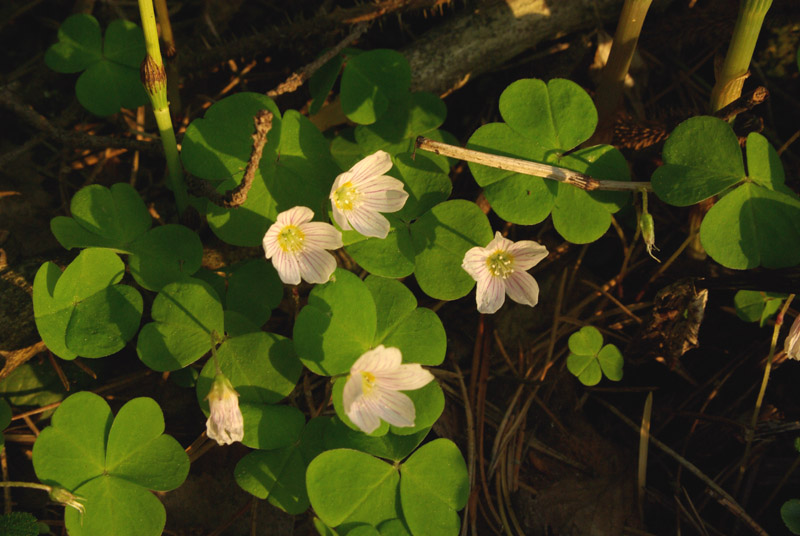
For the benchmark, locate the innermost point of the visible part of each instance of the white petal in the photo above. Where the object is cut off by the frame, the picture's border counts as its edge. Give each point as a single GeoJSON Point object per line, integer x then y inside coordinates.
{"type": "Point", "coordinates": [474, 262]}
{"type": "Point", "coordinates": [522, 288]}
{"type": "Point", "coordinates": [315, 265]}
{"type": "Point", "coordinates": [403, 378]}
{"type": "Point", "coordinates": [369, 223]}
{"type": "Point", "coordinates": [363, 415]}
{"type": "Point", "coordinates": [352, 391]}
{"type": "Point", "coordinates": [225, 424]}
{"type": "Point", "coordinates": [270, 240]}
{"type": "Point", "coordinates": [321, 235]}
{"type": "Point", "coordinates": [340, 217]}
{"type": "Point", "coordinates": [394, 407]}
{"type": "Point", "coordinates": [385, 199]}
{"type": "Point", "coordinates": [378, 360]}
{"type": "Point", "coordinates": [527, 254]}
{"type": "Point", "coordinates": [490, 295]}
{"type": "Point", "coordinates": [375, 164]}
{"type": "Point", "coordinates": [295, 216]}
{"type": "Point", "coordinates": [287, 267]}
{"type": "Point", "coordinates": [498, 242]}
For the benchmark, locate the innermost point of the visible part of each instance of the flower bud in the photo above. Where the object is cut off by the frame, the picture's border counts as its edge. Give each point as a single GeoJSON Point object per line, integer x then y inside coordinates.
{"type": "Point", "coordinates": [792, 343]}
{"type": "Point", "coordinates": [648, 234]}
{"type": "Point", "coordinates": [67, 498]}
{"type": "Point", "coordinates": [225, 424]}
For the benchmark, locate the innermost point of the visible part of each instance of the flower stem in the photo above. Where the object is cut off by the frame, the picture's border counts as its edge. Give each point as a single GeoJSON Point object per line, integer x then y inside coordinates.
{"type": "Point", "coordinates": [731, 76]}
{"type": "Point", "coordinates": [154, 79]}
{"type": "Point", "coordinates": [612, 81]}
{"type": "Point", "coordinates": [760, 399]}
{"type": "Point", "coordinates": [32, 485]}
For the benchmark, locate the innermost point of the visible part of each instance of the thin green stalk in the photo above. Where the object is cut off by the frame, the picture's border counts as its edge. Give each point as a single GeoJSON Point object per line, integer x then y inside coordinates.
{"type": "Point", "coordinates": [154, 78]}
{"type": "Point", "coordinates": [32, 485]}
{"type": "Point", "coordinates": [730, 77]}
{"type": "Point", "coordinates": [612, 81]}
{"type": "Point", "coordinates": [760, 399]}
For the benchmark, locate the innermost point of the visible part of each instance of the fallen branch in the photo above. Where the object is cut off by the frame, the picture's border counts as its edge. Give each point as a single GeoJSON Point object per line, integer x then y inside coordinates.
{"type": "Point", "coordinates": [526, 167]}
{"type": "Point", "coordinates": [11, 102]}
{"type": "Point", "coordinates": [237, 196]}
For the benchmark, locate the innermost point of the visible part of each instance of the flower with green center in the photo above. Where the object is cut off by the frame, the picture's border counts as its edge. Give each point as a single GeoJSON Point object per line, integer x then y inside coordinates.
{"type": "Point", "coordinates": [360, 194]}
{"type": "Point", "coordinates": [225, 424]}
{"type": "Point", "coordinates": [372, 391]}
{"type": "Point", "coordinates": [501, 268]}
{"type": "Point", "coordinates": [297, 247]}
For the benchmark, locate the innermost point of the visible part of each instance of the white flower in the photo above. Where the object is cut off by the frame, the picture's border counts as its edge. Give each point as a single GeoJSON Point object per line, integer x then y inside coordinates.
{"type": "Point", "coordinates": [792, 343]}
{"type": "Point", "coordinates": [360, 194]}
{"type": "Point", "coordinates": [372, 391]}
{"type": "Point", "coordinates": [297, 247]}
{"type": "Point", "coordinates": [500, 268]}
{"type": "Point", "coordinates": [225, 424]}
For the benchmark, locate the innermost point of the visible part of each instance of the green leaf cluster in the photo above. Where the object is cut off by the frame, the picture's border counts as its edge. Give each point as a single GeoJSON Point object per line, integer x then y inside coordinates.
{"type": "Point", "coordinates": [18, 524]}
{"type": "Point", "coordinates": [756, 306]}
{"type": "Point", "coordinates": [110, 463]}
{"type": "Point", "coordinates": [109, 65]}
{"type": "Point", "coordinates": [756, 221]}
{"type": "Point", "coordinates": [546, 122]}
{"type": "Point", "coordinates": [589, 360]}
{"type": "Point", "coordinates": [356, 493]}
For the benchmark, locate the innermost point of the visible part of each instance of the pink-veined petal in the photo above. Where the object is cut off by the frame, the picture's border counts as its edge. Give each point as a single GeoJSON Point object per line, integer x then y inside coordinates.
{"type": "Point", "coordinates": [369, 223]}
{"type": "Point", "coordinates": [490, 295]}
{"type": "Point", "coordinates": [321, 235]}
{"type": "Point", "coordinates": [406, 377]}
{"type": "Point", "coordinates": [474, 262]}
{"type": "Point", "coordinates": [499, 242]}
{"type": "Point", "coordinates": [340, 217]}
{"type": "Point", "coordinates": [394, 407]}
{"type": "Point", "coordinates": [527, 254]}
{"type": "Point", "coordinates": [384, 200]}
{"type": "Point", "coordinates": [270, 240]}
{"type": "Point", "coordinates": [363, 416]}
{"type": "Point", "coordinates": [522, 288]}
{"type": "Point", "coordinates": [287, 267]}
{"type": "Point", "coordinates": [316, 265]}
{"type": "Point", "coordinates": [378, 360]}
{"type": "Point", "coordinates": [352, 390]}
{"type": "Point", "coordinates": [295, 216]}
{"type": "Point", "coordinates": [375, 164]}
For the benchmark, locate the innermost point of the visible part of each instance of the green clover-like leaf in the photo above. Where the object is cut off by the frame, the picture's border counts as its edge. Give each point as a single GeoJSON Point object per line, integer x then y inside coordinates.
{"type": "Point", "coordinates": [389, 446]}
{"type": "Point", "coordinates": [370, 495]}
{"type": "Point", "coordinates": [83, 311]}
{"type": "Point", "coordinates": [18, 524]}
{"type": "Point", "coordinates": [790, 514]}
{"type": "Point", "coordinates": [757, 306]}
{"type": "Point", "coordinates": [111, 67]}
{"type": "Point", "coordinates": [434, 486]}
{"type": "Point", "coordinates": [370, 81]}
{"type": "Point", "coordinates": [185, 315]}
{"type": "Point", "coordinates": [543, 122]}
{"type": "Point", "coordinates": [589, 360]}
{"type": "Point", "coordinates": [276, 475]}
{"type": "Point", "coordinates": [110, 463]}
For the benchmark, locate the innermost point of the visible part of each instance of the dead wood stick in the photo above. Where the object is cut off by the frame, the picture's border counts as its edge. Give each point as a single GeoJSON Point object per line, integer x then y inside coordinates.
{"type": "Point", "coordinates": [743, 104]}
{"type": "Point", "coordinates": [526, 167]}
{"type": "Point", "coordinates": [298, 78]}
{"type": "Point", "coordinates": [237, 196]}
{"type": "Point", "coordinates": [11, 102]}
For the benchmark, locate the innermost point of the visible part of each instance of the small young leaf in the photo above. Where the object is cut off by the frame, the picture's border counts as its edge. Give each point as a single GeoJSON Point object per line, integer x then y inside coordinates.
{"type": "Point", "coordinates": [790, 513]}
{"type": "Point", "coordinates": [610, 359]}
{"type": "Point", "coordinates": [589, 360]}
{"type": "Point", "coordinates": [585, 367]}
{"type": "Point", "coordinates": [434, 486]}
{"type": "Point", "coordinates": [587, 341]}
{"type": "Point", "coordinates": [370, 495]}
{"type": "Point", "coordinates": [756, 306]}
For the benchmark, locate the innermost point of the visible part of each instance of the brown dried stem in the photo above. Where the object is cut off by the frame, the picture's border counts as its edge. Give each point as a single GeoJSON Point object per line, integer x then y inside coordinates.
{"type": "Point", "coordinates": [237, 196]}
{"type": "Point", "coordinates": [526, 167]}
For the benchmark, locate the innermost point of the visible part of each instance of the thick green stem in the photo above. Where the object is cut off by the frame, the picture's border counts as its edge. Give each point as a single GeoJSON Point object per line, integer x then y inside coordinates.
{"type": "Point", "coordinates": [612, 81]}
{"type": "Point", "coordinates": [154, 79]}
{"type": "Point", "coordinates": [730, 77]}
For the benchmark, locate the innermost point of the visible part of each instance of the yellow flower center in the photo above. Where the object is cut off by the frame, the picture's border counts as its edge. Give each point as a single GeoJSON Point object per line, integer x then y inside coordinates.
{"type": "Point", "coordinates": [291, 239]}
{"type": "Point", "coordinates": [367, 382]}
{"type": "Point", "coordinates": [500, 264]}
{"type": "Point", "coordinates": [346, 196]}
